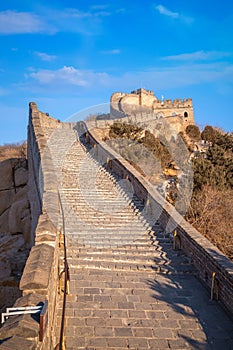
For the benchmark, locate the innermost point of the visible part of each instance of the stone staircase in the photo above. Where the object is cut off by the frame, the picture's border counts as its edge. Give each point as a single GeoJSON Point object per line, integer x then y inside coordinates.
{"type": "Point", "coordinates": [129, 288]}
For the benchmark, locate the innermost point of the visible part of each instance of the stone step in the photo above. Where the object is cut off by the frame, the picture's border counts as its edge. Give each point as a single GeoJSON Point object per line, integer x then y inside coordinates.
{"type": "Point", "coordinates": [129, 253]}
{"type": "Point", "coordinates": [137, 267]}
{"type": "Point", "coordinates": [106, 243]}
{"type": "Point", "coordinates": [134, 238]}
{"type": "Point", "coordinates": [126, 250]}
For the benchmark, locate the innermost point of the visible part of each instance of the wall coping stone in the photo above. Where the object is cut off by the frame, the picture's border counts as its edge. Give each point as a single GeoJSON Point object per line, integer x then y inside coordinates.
{"type": "Point", "coordinates": [16, 343]}
{"type": "Point", "coordinates": [23, 326]}
{"type": "Point", "coordinates": [37, 271]}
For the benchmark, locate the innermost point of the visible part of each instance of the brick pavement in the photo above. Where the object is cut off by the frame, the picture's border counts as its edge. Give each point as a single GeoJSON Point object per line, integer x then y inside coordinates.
{"type": "Point", "coordinates": [129, 288]}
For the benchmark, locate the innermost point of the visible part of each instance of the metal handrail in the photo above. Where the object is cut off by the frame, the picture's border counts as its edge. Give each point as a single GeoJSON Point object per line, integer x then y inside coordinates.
{"type": "Point", "coordinates": [66, 280]}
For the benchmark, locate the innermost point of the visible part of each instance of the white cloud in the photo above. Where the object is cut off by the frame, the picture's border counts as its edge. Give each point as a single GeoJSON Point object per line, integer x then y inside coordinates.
{"type": "Point", "coordinates": [44, 56]}
{"type": "Point", "coordinates": [51, 21]}
{"type": "Point", "coordinates": [180, 75]}
{"type": "Point", "coordinates": [69, 75]}
{"type": "Point", "coordinates": [175, 15]}
{"type": "Point", "coordinates": [75, 13]}
{"type": "Point", "coordinates": [111, 52]}
{"type": "Point", "coordinates": [198, 56]}
{"type": "Point", "coordinates": [12, 22]}
{"type": "Point", "coordinates": [164, 11]}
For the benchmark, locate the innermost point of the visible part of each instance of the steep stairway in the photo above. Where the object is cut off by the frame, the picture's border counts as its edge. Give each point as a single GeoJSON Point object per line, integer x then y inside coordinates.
{"type": "Point", "coordinates": [129, 288]}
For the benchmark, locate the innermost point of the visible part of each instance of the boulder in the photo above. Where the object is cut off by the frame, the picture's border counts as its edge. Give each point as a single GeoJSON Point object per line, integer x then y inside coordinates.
{"type": "Point", "coordinates": [21, 176]}
{"type": "Point", "coordinates": [5, 269]}
{"type": "Point", "coordinates": [6, 199]}
{"type": "Point", "coordinates": [6, 174]}
{"type": "Point", "coordinates": [21, 193]}
{"type": "Point", "coordinates": [4, 221]}
{"type": "Point", "coordinates": [18, 211]}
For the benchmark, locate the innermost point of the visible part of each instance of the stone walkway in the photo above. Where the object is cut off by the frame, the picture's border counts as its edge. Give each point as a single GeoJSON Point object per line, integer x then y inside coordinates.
{"type": "Point", "coordinates": [129, 288]}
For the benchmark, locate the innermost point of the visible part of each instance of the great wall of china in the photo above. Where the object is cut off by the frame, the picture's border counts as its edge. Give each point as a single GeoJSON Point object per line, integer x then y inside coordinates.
{"type": "Point", "coordinates": [141, 277]}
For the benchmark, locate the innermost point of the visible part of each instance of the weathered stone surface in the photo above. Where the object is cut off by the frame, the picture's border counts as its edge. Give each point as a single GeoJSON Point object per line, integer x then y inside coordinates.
{"type": "Point", "coordinates": [4, 268]}
{"type": "Point", "coordinates": [6, 199]}
{"type": "Point", "coordinates": [21, 176]}
{"type": "Point", "coordinates": [14, 206]}
{"type": "Point", "coordinates": [21, 193]}
{"type": "Point", "coordinates": [4, 221]}
{"type": "Point", "coordinates": [31, 299]}
{"type": "Point", "coordinates": [50, 180]}
{"type": "Point", "coordinates": [45, 225]}
{"type": "Point", "coordinates": [19, 212]}
{"type": "Point", "coordinates": [37, 271]}
{"type": "Point", "coordinates": [51, 203]}
{"type": "Point", "coordinates": [16, 343]}
{"type": "Point", "coordinates": [42, 238]}
{"type": "Point", "coordinates": [6, 174]}
{"type": "Point", "coordinates": [23, 326]}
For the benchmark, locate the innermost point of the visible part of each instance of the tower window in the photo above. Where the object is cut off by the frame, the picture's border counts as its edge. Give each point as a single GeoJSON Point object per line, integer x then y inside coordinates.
{"type": "Point", "coordinates": [186, 114]}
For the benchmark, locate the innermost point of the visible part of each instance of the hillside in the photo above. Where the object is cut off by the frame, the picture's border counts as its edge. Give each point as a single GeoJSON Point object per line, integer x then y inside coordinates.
{"type": "Point", "coordinates": [14, 150]}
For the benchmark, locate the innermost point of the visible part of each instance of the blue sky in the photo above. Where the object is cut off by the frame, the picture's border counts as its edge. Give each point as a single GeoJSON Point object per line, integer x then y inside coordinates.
{"type": "Point", "coordinates": [69, 55]}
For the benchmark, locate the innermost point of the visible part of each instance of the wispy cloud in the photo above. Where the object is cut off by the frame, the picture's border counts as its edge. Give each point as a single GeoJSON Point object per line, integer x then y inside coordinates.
{"type": "Point", "coordinates": [199, 56]}
{"type": "Point", "coordinates": [99, 7]}
{"type": "Point", "coordinates": [75, 13]}
{"type": "Point", "coordinates": [172, 14]}
{"type": "Point", "coordinates": [164, 11]}
{"type": "Point", "coordinates": [13, 22]}
{"type": "Point", "coordinates": [181, 75]}
{"type": "Point", "coordinates": [70, 76]}
{"type": "Point", "coordinates": [111, 52]}
{"type": "Point", "coordinates": [186, 74]}
{"type": "Point", "coordinates": [44, 56]}
{"type": "Point", "coordinates": [51, 21]}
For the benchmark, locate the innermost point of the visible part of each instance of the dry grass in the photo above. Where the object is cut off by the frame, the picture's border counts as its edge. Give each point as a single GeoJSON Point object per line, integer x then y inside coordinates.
{"type": "Point", "coordinates": [211, 213]}
{"type": "Point", "coordinates": [14, 150]}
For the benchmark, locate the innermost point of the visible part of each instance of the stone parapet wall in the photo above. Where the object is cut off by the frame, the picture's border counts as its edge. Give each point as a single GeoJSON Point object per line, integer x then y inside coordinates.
{"type": "Point", "coordinates": [39, 283]}
{"type": "Point", "coordinates": [207, 258]}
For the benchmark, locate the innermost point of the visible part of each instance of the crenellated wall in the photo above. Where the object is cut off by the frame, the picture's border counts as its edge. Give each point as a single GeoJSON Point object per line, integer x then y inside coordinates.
{"type": "Point", "coordinates": [144, 102]}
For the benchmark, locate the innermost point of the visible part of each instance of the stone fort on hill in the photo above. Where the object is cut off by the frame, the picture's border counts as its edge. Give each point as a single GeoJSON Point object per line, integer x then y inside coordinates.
{"type": "Point", "coordinates": [143, 104]}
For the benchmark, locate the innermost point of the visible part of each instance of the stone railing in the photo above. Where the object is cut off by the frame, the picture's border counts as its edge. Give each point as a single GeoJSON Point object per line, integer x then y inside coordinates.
{"type": "Point", "coordinates": [215, 270]}
{"type": "Point", "coordinates": [39, 283]}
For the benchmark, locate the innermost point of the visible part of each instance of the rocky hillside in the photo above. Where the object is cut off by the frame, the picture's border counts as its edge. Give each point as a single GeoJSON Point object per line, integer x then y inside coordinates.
{"type": "Point", "coordinates": [15, 221]}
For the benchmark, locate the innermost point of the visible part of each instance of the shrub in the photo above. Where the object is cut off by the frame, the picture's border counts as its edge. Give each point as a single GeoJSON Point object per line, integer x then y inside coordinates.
{"type": "Point", "coordinates": [193, 132]}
